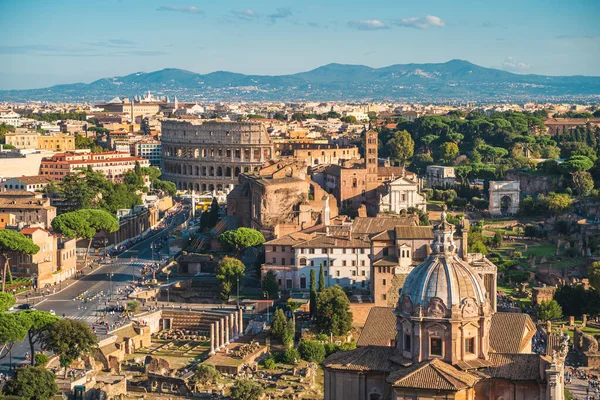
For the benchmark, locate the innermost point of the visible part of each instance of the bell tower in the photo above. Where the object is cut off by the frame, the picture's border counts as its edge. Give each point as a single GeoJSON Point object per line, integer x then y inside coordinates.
{"type": "Point", "coordinates": [371, 143]}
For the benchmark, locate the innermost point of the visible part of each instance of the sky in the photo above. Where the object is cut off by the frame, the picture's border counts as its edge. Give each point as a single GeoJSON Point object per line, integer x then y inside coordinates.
{"type": "Point", "coordinates": [48, 42]}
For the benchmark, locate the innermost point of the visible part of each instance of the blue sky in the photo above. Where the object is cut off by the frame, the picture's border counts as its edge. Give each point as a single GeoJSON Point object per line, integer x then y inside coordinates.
{"type": "Point", "coordinates": [47, 42]}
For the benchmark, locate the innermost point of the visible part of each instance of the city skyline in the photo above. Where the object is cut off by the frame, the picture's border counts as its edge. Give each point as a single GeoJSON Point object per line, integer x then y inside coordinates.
{"type": "Point", "coordinates": [120, 37]}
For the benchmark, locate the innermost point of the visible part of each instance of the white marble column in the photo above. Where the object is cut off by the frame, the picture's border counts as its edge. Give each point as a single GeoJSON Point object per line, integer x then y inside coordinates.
{"type": "Point", "coordinates": [227, 329]}
{"type": "Point", "coordinates": [234, 330]}
{"type": "Point", "coordinates": [217, 336]}
{"type": "Point", "coordinates": [212, 339]}
{"type": "Point", "coordinates": [241, 322]}
{"type": "Point", "coordinates": [222, 332]}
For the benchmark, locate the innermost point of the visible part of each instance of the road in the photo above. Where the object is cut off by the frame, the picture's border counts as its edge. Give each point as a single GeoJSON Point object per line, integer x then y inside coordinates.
{"type": "Point", "coordinates": [98, 283]}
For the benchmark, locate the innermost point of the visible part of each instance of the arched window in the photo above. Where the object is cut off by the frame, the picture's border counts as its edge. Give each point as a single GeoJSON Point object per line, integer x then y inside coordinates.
{"type": "Point", "coordinates": [203, 171]}
{"type": "Point", "coordinates": [212, 171]}
{"type": "Point", "coordinates": [228, 171]}
{"type": "Point", "coordinates": [211, 187]}
{"type": "Point", "coordinates": [197, 170]}
{"type": "Point", "coordinates": [219, 171]}
{"type": "Point", "coordinates": [354, 182]}
{"type": "Point", "coordinates": [237, 171]}
{"type": "Point", "coordinates": [302, 262]}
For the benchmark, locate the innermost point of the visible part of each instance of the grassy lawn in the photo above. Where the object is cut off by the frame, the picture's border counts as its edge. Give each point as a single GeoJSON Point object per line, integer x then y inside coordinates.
{"type": "Point", "coordinates": [543, 249]}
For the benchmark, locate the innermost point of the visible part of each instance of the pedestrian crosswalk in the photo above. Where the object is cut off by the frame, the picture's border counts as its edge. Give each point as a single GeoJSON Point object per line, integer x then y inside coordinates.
{"type": "Point", "coordinates": [86, 318]}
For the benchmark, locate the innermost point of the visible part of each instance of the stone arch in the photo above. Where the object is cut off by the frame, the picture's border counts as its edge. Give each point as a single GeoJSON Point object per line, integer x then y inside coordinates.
{"type": "Point", "coordinates": [204, 187]}
{"type": "Point", "coordinates": [219, 171]}
{"type": "Point", "coordinates": [228, 172]}
{"type": "Point", "coordinates": [153, 386]}
{"type": "Point", "coordinates": [164, 387]}
{"type": "Point", "coordinates": [219, 188]}
{"type": "Point", "coordinates": [189, 170]}
{"type": "Point", "coordinates": [174, 388]}
{"type": "Point", "coordinates": [211, 171]}
{"type": "Point", "coordinates": [504, 197]}
{"type": "Point", "coordinates": [197, 187]}
{"type": "Point", "coordinates": [197, 170]}
{"type": "Point", "coordinates": [246, 169]}
{"type": "Point", "coordinates": [203, 171]}
{"type": "Point", "coordinates": [237, 171]}
{"type": "Point", "coordinates": [211, 187]}
{"type": "Point", "coordinates": [196, 153]}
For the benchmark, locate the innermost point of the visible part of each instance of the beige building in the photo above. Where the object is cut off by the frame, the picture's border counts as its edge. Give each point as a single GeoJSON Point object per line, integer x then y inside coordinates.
{"type": "Point", "coordinates": [55, 262]}
{"type": "Point", "coordinates": [26, 208]}
{"type": "Point", "coordinates": [56, 142]}
{"type": "Point", "coordinates": [23, 139]}
{"type": "Point", "coordinates": [35, 183]}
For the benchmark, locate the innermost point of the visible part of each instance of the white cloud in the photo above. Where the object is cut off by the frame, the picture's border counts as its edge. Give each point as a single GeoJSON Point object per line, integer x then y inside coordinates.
{"type": "Point", "coordinates": [280, 13]}
{"type": "Point", "coordinates": [367, 25]}
{"type": "Point", "coordinates": [428, 21]}
{"type": "Point", "coordinates": [244, 14]}
{"type": "Point", "coordinates": [188, 10]}
{"type": "Point", "coordinates": [511, 63]}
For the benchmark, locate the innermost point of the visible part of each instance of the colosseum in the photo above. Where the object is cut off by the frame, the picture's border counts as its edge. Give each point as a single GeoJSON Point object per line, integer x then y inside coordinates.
{"type": "Point", "coordinates": [209, 155]}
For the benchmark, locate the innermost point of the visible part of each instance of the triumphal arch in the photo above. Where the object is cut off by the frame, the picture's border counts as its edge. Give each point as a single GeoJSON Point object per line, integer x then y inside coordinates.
{"type": "Point", "coordinates": [504, 198]}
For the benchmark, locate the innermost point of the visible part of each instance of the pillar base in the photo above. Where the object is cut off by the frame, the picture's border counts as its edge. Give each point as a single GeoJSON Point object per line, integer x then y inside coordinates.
{"type": "Point", "coordinates": [212, 353]}
{"type": "Point", "coordinates": [227, 343]}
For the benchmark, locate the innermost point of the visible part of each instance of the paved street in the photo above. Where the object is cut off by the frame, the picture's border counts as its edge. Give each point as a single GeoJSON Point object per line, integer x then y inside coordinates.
{"type": "Point", "coordinates": [97, 285]}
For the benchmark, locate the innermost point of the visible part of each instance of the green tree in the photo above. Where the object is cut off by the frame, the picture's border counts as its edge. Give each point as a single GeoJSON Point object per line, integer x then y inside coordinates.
{"type": "Point", "coordinates": [401, 146]}
{"type": "Point", "coordinates": [13, 244]}
{"type": "Point", "coordinates": [244, 389]}
{"type": "Point", "coordinates": [548, 310]}
{"type": "Point", "coordinates": [228, 271]}
{"type": "Point", "coordinates": [206, 374]}
{"type": "Point", "coordinates": [288, 337]}
{"type": "Point", "coordinates": [497, 239]}
{"type": "Point", "coordinates": [36, 322]}
{"type": "Point", "coordinates": [11, 332]}
{"type": "Point", "coordinates": [584, 183]}
{"type": "Point", "coordinates": [241, 238]}
{"type": "Point", "coordinates": [278, 325]}
{"type": "Point", "coordinates": [41, 359]}
{"type": "Point", "coordinates": [269, 284]}
{"type": "Point", "coordinates": [69, 339]}
{"type": "Point", "coordinates": [333, 311]}
{"type": "Point", "coordinates": [321, 279]}
{"type": "Point", "coordinates": [133, 305]}
{"type": "Point", "coordinates": [313, 293]}
{"type": "Point", "coordinates": [31, 383]}
{"type": "Point", "coordinates": [478, 247]}
{"type": "Point", "coordinates": [311, 351]}
{"type": "Point", "coordinates": [593, 271]}
{"type": "Point", "coordinates": [558, 203]}
{"type": "Point", "coordinates": [291, 356]}
{"type": "Point", "coordinates": [448, 151]}
{"type": "Point", "coordinates": [7, 300]}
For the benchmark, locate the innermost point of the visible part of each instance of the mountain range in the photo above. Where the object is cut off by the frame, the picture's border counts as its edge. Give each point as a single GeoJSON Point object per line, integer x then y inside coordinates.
{"type": "Point", "coordinates": [450, 82]}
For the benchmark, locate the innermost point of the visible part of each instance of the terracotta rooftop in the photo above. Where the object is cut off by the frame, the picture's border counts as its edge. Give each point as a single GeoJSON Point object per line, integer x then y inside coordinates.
{"type": "Point", "coordinates": [334, 242]}
{"type": "Point", "coordinates": [289, 240]}
{"type": "Point", "coordinates": [20, 202]}
{"type": "Point", "coordinates": [514, 367]}
{"type": "Point", "coordinates": [34, 180]}
{"type": "Point", "coordinates": [17, 193]}
{"type": "Point", "coordinates": [29, 231]}
{"type": "Point", "coordinates": [374, 332]}
{"type": "Point", "coordinates": [370, 225]}
{"type": "Point", "coordinates": [510, 332]}
{"type": "Point", "coordinates": [370, 358]}
{"type": "Point", "coordinates": [433, 375]}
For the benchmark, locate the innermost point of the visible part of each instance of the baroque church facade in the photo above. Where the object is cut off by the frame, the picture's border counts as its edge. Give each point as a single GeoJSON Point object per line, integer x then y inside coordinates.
{"type": "Point", "coordinates": [445, 340]}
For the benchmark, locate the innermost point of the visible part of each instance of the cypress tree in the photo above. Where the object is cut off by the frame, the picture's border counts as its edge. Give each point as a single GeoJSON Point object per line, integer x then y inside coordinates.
{"type": "Point", "coordinates": [313, 292]}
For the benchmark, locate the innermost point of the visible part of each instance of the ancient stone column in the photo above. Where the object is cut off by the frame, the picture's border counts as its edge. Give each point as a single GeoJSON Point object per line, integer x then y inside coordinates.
{"type": "Point", "coordinates": [584, 320]}
{"type": "Point", "coordinates": [548, 327]}
{"type": "Point", "coordinates": [217, 336]}
{"type": "Point", "coordinates": [241, 322]}
{"type": "Point", "coordinates": [222, 332]}
{"type": "Point", "coordinates": [227, 329]}
{"type": "Point", "coordinates": [212, 339]}
{"type": "Point", "coordinates": [571, 321]}
{"type": "Point", "coordinates": [233, 327]}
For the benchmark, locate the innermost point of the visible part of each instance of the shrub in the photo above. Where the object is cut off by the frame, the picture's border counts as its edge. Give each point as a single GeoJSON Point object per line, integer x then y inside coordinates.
{"type": "Point", "coordinates": [517, 254]}
{"type": "Point", "coordinates": [244, 389]}
{"type": "Point", "coordinates": [351, 345]}
{"type": "Point", "coordinates": [571, 252]}
{"type": "Point", "coordinates": [41, 359]}
{"type": "Point", "coordinates": [269, 363]}
{"type": "Point", "coordinates": [330, 348]}
{"type": "Point", "coordinates": [290, 356]}
{"type": "Point", "coordinates": [311, 351]}
{"type": "Point", "coordinates": [322, 337]}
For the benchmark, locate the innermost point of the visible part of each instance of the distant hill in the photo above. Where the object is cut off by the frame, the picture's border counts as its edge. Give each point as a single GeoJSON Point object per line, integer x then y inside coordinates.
{"type": "Point", "coordinates": [453, 81]}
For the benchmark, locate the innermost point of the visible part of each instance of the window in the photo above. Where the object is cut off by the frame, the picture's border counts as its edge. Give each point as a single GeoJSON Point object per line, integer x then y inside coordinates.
{"type": "Point", "coordinates": [384, 297]}
{"type": "Point", "coordinates": [470, 345]}
{"type": "Point", "coordinates": [344, 263]}
{"type": "Point", "coordinates": [283, 248]}
{"type": "Point", "coordinates": [312, 263]}
{"type": "Point", "coordinates": [407, 344]}
{"type": "Point", "coordinates": [323, 251]}
{"type": "Point", "coordinates": [353, 263]}
{"type": "Point", "coordinates": [337, 273]}
{"type": "Point", "coordinates": [353, 273]}
{"type": "Point", "coordinates": [311, 251]}
{"type": "Point", "coordinates": [435, 346]}
{"type": "Point", "coordinates": [362, 251]}
{"type": "Point", "coordinates": [343, 251]}
{"type": "Point", "coordinates": [283, 261]}
{"type": "Point", "coordinates": [362, 273]}
{"type": "Point", "coordinates": [383, 282]}
{"type": "Point", "coordinates": [386, 251]}
{"type": "Point", "coordinates": [274, 248]}
{"type": "Point", "coordinates": [303, 261]}
{"type": "Point", "coordinates": [274, 260]}
{"type": "Point", "coordinates": [362, 263]}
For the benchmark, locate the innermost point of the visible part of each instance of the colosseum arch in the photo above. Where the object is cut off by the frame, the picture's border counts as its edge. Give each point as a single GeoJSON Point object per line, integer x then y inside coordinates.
{"type": "Point", "coordinates": [219, 171]}
{"type": "Point", "coordinates": [196, 153]}
{"type": "Point", "coordinates": [228, 172]}
{"type": "Point", "coordinates": [203, 171]}
{"type": "Point", "coordinates": [211, 171]}
{"type": "Point", "coordinates": [237, 171]}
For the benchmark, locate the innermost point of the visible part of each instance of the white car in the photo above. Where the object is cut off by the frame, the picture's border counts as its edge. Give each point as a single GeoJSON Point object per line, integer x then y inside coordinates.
{"type": "Point", "coordinates": [52, 312]}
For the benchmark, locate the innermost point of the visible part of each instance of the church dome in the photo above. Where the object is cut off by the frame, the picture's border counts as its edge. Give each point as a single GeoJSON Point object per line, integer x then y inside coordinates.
{"type": "Point", "coordinates": [443, 277]}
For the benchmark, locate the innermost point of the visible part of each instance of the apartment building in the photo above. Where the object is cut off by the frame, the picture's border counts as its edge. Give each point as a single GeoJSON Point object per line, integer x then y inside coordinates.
{"type": "Point", "coordinates": [112, 164]}
{"type": "Point", "coordinates": [26, 208]}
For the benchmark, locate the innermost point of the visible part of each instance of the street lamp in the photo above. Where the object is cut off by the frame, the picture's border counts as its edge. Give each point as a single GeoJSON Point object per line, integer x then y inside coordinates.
{"type": "Point", "coordinates": [266, 294]}
{"type": "Point", "coordinates": [110, 275]}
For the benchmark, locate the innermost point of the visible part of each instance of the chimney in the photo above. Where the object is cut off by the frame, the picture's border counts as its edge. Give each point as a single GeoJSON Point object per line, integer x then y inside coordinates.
{"type": "Point", "coordinates": [326, 213]}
